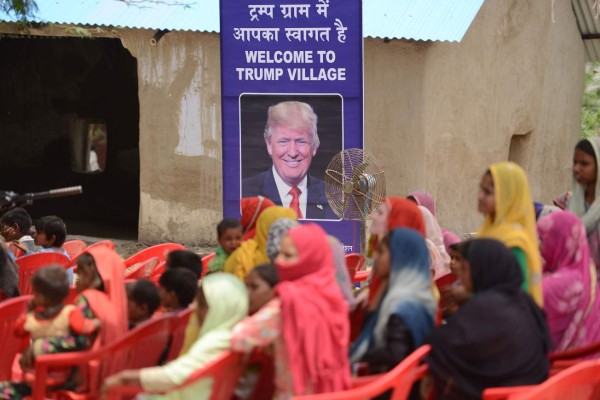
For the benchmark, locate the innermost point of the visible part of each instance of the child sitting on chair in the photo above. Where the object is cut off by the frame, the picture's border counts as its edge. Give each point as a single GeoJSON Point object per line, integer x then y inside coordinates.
{"type": "Point", "coordinates": [14, 227]}
{"type": "Point", "coordinates": [229, 233]}
{"type": "Point", "coordinates": [185, 259]}
{"type": "Point", "coordinates": [48, 317]}
{"type": "Point", "coordinates": [143, 299]}
{"type": "Point", "coordinates": [50, 235]}
{"type": "Point", "coordinates": [177, 288]}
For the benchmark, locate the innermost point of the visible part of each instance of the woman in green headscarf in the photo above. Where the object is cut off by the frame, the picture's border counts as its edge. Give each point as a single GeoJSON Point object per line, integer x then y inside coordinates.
{"type": "Point", "coordinates": [217, 315]}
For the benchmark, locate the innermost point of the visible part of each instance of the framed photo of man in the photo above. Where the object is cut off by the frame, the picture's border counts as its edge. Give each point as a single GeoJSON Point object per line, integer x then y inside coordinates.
{"type": "Point", "coordinates": [286, 142]}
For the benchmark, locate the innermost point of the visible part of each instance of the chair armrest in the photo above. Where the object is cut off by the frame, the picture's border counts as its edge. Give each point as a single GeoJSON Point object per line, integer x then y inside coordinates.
{"type": "Point", "coordinates": [364, 380]}
{"type": "Point", "coordinates": [502, 393]}
{"type": "Point", "coordinates": [127, 391]}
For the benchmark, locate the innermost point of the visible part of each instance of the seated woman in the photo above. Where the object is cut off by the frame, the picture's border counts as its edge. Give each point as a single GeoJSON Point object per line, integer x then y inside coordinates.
{"type": "Point", "coordinates": [439, 259]}
{"type": "Point", "coordinates": [405, 314]}
{"type": "Point", "coordinates": [498, 338]}
{"type": "Point", "coordinates": [217, 314]}
{"type": "Point", "coordinates": [570, 286]}
{"type": "Point", "coordinates": [252, 207]}
{"type": "Point", "coordinates": [505, 201]}
{"type": "Point", "coordinates": [394, 212]}
{"type": "Point", "coordinates": [307, 321]}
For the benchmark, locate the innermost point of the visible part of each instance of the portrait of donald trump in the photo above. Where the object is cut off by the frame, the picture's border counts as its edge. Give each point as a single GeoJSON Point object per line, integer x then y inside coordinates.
{"type": "Point", "coordinates": [291, 141]}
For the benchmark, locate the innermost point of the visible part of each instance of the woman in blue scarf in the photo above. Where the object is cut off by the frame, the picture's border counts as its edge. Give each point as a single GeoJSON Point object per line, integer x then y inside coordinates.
{"type": "Point", "coordinates": [405, 313]}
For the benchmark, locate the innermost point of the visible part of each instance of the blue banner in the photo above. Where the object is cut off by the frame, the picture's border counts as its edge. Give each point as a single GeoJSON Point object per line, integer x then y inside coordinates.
{"type": "Point", "coordinates": [292, 98]}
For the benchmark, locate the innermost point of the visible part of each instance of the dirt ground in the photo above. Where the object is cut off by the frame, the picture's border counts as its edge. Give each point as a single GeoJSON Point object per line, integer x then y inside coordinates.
{"type": "Point", "coordinates": [127, 248]}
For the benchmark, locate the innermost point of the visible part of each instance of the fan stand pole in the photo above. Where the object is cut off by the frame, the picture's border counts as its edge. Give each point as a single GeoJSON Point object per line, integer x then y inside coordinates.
{"type": "Point", "coordinates": [363, 238]}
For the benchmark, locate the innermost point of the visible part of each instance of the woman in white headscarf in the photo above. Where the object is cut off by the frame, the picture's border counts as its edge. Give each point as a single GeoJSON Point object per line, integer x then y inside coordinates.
{"type": "Point", "coordinates": [217, 315]}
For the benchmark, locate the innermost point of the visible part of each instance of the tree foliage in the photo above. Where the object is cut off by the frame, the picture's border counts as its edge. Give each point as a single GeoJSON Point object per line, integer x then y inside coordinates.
{"type": "Point", "coordinates": [590, 110]}
{"type": "Point", "coordinates": [21, 9]}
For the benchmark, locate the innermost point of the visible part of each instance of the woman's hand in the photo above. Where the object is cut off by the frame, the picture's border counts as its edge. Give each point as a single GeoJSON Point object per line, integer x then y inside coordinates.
{"type": "Point", "coordinates": [128, 377]}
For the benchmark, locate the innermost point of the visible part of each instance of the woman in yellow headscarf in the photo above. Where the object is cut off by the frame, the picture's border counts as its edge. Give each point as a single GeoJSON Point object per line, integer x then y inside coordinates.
{"type": "Point", "coordinates": [254, 251]}
{"type": "Point", "coordinates": [505, 200]}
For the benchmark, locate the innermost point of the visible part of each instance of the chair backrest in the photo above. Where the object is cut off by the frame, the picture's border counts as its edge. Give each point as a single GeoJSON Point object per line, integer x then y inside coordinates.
{"type": "Point", "coordinates": [158, 271]}
{"type": "Point", "coordinates": [17, 252]}
{"type": "Point", "coordinates": [361, 276]}
{"type": "Point", "coordinates": [265, 385]}
{"type": "Point", "coordinates": [581, 381]}
{"type": "Point", "coordinates": [575, 354]}
{"type": "Point", "coordinates": [74, 247]}
{"type": "Point", "coordinates": [400, 380]}
{"type": "Point", "coordinates": [102, 243]}
{"type": "Point", "coordinates": [10, 311]}
{"type": "Point", "coordinates": [179, 323]}
{"type": "Point", "coordinates": [225, 372]}
{"type": "Point", "coordinates": [354, 263]}
{"type": "Point", "coordinates": [160, 251]}
{"type": "Point", "coordinates": [142, 270]}
{"type": "Point", "coordinates": [140, 348]}
{"type": "Point", "coordinates": [205, 260]}
{"type": "Point", "coordinates": [31, 263]}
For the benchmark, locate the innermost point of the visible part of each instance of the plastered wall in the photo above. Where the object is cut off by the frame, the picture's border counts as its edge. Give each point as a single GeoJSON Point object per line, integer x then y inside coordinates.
{"type": "Point", "coordinates": [436, 114]}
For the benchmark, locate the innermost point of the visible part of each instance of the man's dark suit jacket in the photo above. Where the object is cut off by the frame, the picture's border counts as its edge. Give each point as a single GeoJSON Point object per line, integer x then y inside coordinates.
{"type": "Point", "coordinates": [264, 184]}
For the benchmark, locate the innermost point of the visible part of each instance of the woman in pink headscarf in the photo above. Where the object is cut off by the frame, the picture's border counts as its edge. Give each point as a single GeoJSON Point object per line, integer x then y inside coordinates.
{"type": "Point", "coordinates": [307, 322]}
{"type": "Point", "coordinates": [426, 200]}
{"type": "Point", "coordinates": [569, 284]}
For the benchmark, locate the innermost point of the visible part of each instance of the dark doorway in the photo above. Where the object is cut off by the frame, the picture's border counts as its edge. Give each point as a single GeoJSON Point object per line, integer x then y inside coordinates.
{"type": "Point", "coordinates": [62, 99]}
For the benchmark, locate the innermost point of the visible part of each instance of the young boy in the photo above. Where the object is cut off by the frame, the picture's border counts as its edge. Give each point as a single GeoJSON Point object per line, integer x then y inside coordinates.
{"type": "Point", "coordinates": [177, 288]}
{"type": "Point", "coordinates": [14, 227]}
{"type": "Point", "coordinates": [185, 259]}
{"type": "Point", "coordinates": [143, 299]}
{"type": "Point", "coordinates": [229, 233]}
{"type": "Point", "coordinates": [50, 234]}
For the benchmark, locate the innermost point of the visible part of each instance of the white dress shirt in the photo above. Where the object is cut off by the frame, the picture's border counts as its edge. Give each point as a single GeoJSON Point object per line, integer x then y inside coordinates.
{"type": "Point", "coordinates": [284, 191]}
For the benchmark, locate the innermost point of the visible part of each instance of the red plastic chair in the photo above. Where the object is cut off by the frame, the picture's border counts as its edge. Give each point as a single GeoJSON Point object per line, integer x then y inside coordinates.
{"type": "Point", "coordinates": [31, 263]}
{"type": "Point", "coordinates": [17, 252]}
{"type": "Point", "coordinates": [158, 271]}
{"type": "Point", "coordinates": [400, 380]}
{"type": "Point", "coordinates": [361, 276]}
{"type": "Point", "coordinates": [102, 243]}
{"type": "Point", "coordinates": [265, 385]}
{"type": "Point", "coordinates": [74, 247]}
{"type": "Point", "coordinates": [225, 372]}
{"type": "Point", "coordinates": [140, 348]}
{"type": "Point", "coordinates": [142, 270]}
{"type": "Point", "coordinates": [205, 260]}
{"type": "Point", "coordinates": [179, 323]}
{"type": "Point", "coordinates": [581, 382]}
{"type": "Point", "coordinates": [563, 360]}
{"type": "Point", "coordinates": [354, 263]}
{"type": "Point", "coordinates": [160, 251]}
{"type": "Point", "coordinates": [10, 311]}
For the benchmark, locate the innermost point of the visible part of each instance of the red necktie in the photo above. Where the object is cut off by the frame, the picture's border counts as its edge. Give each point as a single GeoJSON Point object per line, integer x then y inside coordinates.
{"type": "Point", "coordinates": [295, 203]}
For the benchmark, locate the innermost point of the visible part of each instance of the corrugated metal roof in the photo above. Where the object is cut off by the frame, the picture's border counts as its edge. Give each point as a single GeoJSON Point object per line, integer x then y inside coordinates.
{"type": "Point", "coordinates": [395, 19]}
{"type": "Point", "coordinates": [199, 15]}
{"type": "Point", "coordinates": [419, 19]}
{"type": "Point", "coordinates": [588, 26]}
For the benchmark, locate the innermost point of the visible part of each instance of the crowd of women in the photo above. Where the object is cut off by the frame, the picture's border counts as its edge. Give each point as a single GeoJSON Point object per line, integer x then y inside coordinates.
{"type": "Point", "coordinates": [521, 289]}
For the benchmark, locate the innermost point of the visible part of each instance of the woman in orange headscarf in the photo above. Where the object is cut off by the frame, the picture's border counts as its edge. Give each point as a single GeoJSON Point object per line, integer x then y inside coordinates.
{"type": "Point", "coordinates": [252, 207]}
{"type": "Point", "coordinates": [394, 212]}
